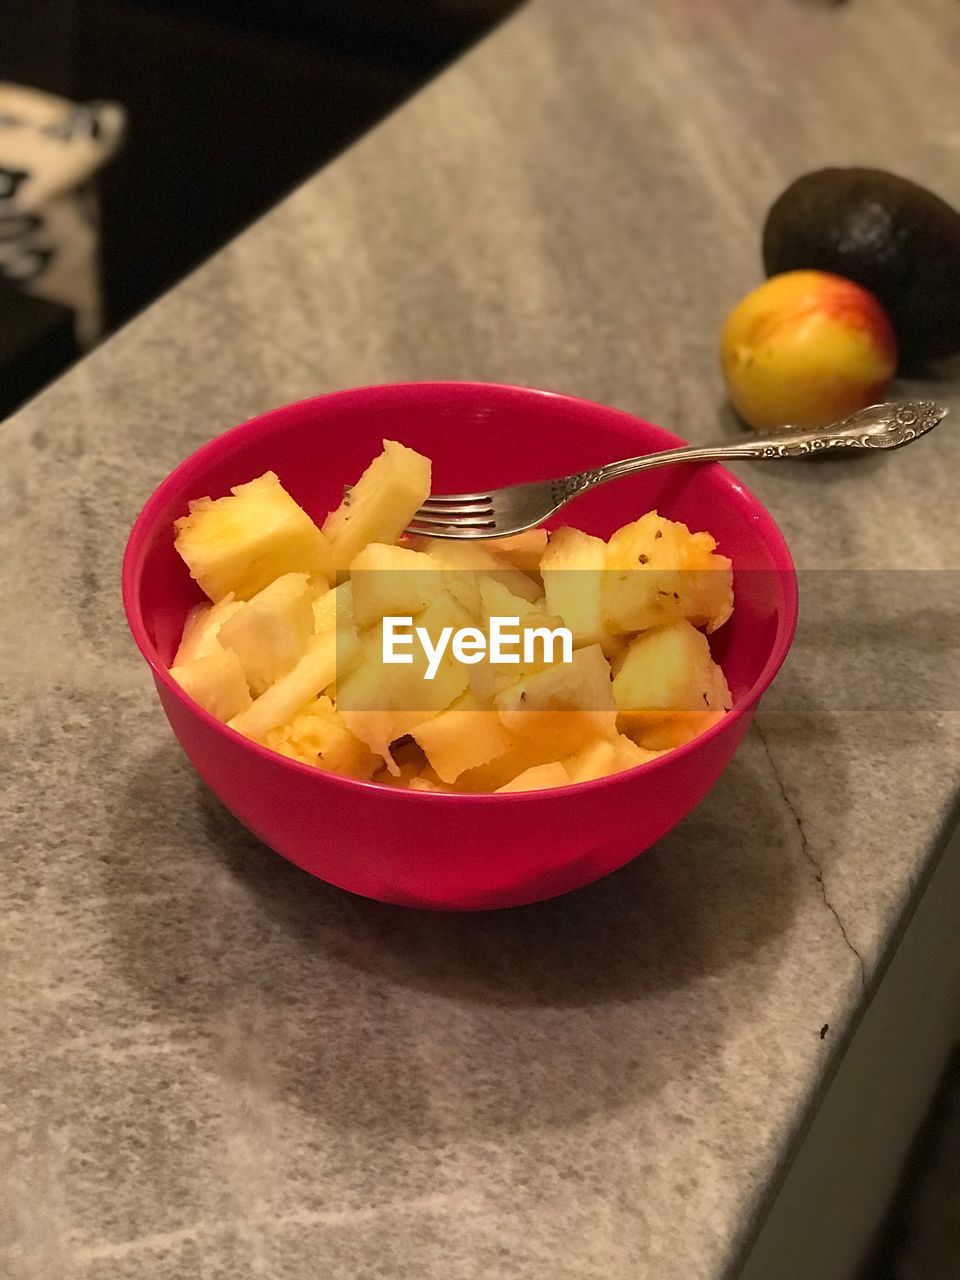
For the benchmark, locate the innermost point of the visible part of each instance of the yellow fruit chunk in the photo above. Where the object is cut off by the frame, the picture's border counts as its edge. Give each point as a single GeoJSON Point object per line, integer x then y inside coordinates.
{"type": "Point", "coordinates": [488, 677]}
{"type": "Point", "coordinates": [563, 705]}
{"type": "Point", "coordinates": [270, 632]}
{"type": "Point", "coordinates": [392, 581]}
{"type": "Point", "coordinates": [216, 682]}
{"type": "Point", "coordinates": [573, 571]}
{"type": "Point", "coordinates": [380, 505]}
{"type": "Point", "coordinates": [539, 778]}
{"type": "Point", "coordinates": [241, 543]}
{"type": "Point", "coordinates": [315, 671]}
{"type": "Point", "coordinates": [707, 584]}
{"type": "Point", "coordinates": [201, 629]}
{"type": "Point", "coordinates": [662, 733]}
{"type": "Point", "coordinates": [319, 736]}
{"type": "Point", "coordinates": [382, 702]}
{"type": "Point", "coordinates": [470, 557]}
{"type": "Point", "coordinates": [658, 571]}
{"type": "Point", "coordinates": [600, 758]}
{"type": "Point", "coordinates": [673, 731]}
{"type": "Point", "coordinates": [462, 738]}
{"type": "Point", "coordinates": [525, 754]}
{"type": "Point", "coordinates": [497, 600]}
{"type": "Point", "coordinates": [521, 550]}
{"type": "Point", "coordinates": [334, 608]}
{"type": "Point", "coordinates": [667, 671]}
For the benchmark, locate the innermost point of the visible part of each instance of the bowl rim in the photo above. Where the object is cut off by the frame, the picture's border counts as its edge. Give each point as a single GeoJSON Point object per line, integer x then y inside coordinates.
{"type": "Point", "coordinates": [772, 537]}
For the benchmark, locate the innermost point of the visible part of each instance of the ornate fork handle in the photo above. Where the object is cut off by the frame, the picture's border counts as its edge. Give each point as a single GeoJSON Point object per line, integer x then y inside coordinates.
{"type": "Point", "coordinates": [881, 426]}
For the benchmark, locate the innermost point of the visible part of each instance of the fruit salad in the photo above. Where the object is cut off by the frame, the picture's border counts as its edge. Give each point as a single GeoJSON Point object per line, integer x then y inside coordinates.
{"type": "Point", "coordinates": [358, 649]}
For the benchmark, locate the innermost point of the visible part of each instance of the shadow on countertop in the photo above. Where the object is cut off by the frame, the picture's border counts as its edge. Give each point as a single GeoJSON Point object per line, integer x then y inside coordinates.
{"type": "Point", "coordinates": [399, 1022]}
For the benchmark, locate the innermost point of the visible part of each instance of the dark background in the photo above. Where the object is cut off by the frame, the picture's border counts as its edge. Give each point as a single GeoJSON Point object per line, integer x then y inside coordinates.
{"type": "Point", "coordinates": [230, 103]}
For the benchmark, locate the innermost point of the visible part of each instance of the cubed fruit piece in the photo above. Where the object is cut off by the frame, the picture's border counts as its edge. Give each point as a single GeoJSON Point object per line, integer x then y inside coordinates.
{"type": "Point", "coordinates": [334, 608]}
{"type": "Point", "coordinates": [540, 778]}
{"type": "Point", "coordinates": [652, 542]}
{"type": "Point", "coordinates": [392, 582]}
{"type": "Point", "coordinates": [317, 735]}
{"type": "Point", "coordinates": [497, 600]}
{"type": "Point", "coordinates": [380, 505]}
{"type": "Point", "coordinates": [707, 584]}
{"type": "Point", "coordinates": [673, 731]}
{"type": "Point", "coordinates": [269, 633]}
{"type": "Point", "coordinates": [489, 677]}
{"type": "Point", "coordinates": [385, 701]}
{"type": "Point", "coordinates": [573, 569]}
{"type": "Point", "coordinates": [641, 588]}
{"type": "Point", "coordinates": [601, 758]}
{"type": "Point", "coordinates": [565, 704]}
{"type": "Point", "coordinates": [659, 571]}
{"type": "Point", "coordinates": [521, 550]}
{"type": "Point", "coordinates": [662, 733]}
{"type": "Point", "coordinates": [665, 671]}
{"type": "Point", "coordinates": [278, 705]}
{"type": "Point", "coordinates": [470, 557]}
{"type": "Point", "coordinates": [502, 769]}
{"type": "Point", "coordinates": [200, 630]}
{"type": "Point", "coordinates": [242, 542]}
{"type": "Point", "coordinates": [462, 737]}
{"type": "Point", "coordinates": [216, 682]}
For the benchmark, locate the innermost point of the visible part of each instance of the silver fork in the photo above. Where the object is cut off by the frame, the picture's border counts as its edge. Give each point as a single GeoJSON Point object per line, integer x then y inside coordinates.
{"type": "Point", "coordinates": [496, 513]}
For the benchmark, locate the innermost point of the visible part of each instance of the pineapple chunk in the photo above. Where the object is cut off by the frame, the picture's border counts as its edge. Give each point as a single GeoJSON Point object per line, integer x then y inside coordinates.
{"type": "Point", "coordinates": [319, 736]}
{"type": "Point", "coordinates": [540, 778]}
{"type": "Point", "coordinates": [380, 505]}
{"type": "Point", "coordinates": [334, 608]}
{"type": "Point", "coordinates": [241, 543]}
{"type": "Point", "coordinates": [662, 733]}
{"type": "Point", "coordinates": [382, 702]}
{"type": "Point", "coordinates": [658, 571]}
{"type": "Point", "coordinates": [564, 704]}
{"type": "Point", "coordinates": [216, 682]}
{"type": "Point", "coordinates": [315, 671]}
{"type": "Point", "coordinates": [573, 570]}
{"type": "Point", "coordinates": [666, 671]}
{"type": "Point", "coordinates": [470, 557]}
{"type": "Point", "coordinates": [488, 678]}
{"type": "Point", "coordinates": [200, 630]}
{"type": "Point", "coordinates": [270, 632]}
{"type": "Point", "coordinates": [707, 591]}
{"type": "Point", "coordinates": [601, 757]}
{"type": "Point", "coordinates": [673, 731]}
{"type": "Point", "coordinates": [522, 550]}
{"type": "Point", "coordinates": [392, 582]}
{"type": "Point", "coordinates": [463, 737]}
{"type": "Point", "coordinates": [498, 601]}
{"type": "Point", "coordinates": [497, 772]}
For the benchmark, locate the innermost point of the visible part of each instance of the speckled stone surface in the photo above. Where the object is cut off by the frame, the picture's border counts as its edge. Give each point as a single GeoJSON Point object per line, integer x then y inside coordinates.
{"type": "Point", "coordinates": [212, 1066]}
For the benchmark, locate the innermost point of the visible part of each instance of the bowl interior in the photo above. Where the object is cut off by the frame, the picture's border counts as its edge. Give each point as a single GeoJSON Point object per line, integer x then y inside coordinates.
{"type": "Point", "coordinates": [476, 435]}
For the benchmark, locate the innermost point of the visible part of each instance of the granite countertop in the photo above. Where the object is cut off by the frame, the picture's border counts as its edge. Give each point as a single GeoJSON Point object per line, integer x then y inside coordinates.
{"type": "Point", "coordinates": [214, 1066]}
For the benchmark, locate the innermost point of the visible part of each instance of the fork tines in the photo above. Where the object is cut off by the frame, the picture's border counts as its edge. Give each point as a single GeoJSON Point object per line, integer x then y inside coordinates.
{"type": "Point", "coordinates": [455, 510]}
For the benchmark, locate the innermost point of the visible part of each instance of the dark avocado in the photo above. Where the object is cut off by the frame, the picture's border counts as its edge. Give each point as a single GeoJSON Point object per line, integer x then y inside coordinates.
{"type": "Point", "coordinates": [889, 235]}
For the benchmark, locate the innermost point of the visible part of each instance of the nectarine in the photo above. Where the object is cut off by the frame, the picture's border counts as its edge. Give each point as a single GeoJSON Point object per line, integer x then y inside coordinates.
{"type": "Point", "coordinates": [806, 348]}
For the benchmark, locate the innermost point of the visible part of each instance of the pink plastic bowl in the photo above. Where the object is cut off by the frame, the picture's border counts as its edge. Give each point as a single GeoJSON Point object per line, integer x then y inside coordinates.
{"type": "Point", "coordinates": [461, 851]}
